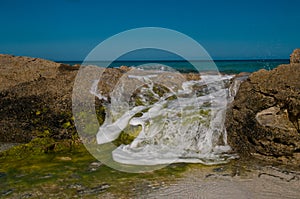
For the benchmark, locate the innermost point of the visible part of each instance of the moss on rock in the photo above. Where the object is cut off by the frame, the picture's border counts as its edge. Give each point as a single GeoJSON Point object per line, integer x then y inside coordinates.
{"type": "Point", "coordinates": [39, 146]}
{"type": "Point", "coordinates": [128, 135]}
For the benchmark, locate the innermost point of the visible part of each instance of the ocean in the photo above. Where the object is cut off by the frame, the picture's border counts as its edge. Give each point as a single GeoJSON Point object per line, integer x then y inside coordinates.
{"type": "Point", "coordinates": [224, 66]}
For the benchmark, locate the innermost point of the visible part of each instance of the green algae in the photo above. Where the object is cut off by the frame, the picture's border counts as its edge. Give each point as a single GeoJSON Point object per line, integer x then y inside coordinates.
{"type": "Point", "coordinates": [150, 96]}
{"type": "Point", "coordinates": [128, 135]}
{"type": "Point", "coordinates": [47, 167]}
{"type": "Point", "coordinates": [100, 113]}
{"type": "Point", "coordinates": [160, 90]}
{"type": "Point", "coordinates": [72, 173]}
{"type": "Point", "coordinates": [78, 174]}
{"type": "Point", "coordinates": [38, 146]}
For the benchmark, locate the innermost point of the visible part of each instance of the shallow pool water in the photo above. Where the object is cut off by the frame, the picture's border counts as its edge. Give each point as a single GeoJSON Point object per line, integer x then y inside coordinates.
{"type": "Point", "coordinates": [79, 175]}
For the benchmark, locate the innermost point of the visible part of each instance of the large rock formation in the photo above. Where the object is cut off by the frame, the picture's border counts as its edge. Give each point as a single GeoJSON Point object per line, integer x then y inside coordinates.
{"type": "Point", "coordinates": [264, 119]}
{"type": "Point", "coordinates": [36, 98]}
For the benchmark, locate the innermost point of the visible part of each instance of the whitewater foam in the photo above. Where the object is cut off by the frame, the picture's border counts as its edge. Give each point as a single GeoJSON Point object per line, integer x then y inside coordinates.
{"type": "Point", "coordinates": [185, 123]}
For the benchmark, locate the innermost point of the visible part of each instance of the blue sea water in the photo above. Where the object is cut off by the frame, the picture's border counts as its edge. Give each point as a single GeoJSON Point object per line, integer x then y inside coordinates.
{"type": "Point", "coordinates": [224, 66]}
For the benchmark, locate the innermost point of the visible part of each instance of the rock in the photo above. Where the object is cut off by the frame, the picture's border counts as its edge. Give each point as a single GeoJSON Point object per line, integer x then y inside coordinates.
{"type": "Point", "coordinates": [16, 70]}
{"type": "Point", "coordinates": [295, 56]}
{"type": "Point", "coordinates": [263, 120]}
{"type": "Point", "coordinates": [192, 76]}
{"type": "Point", "coordinates": [242, 74]}
{"type": "Point", "coordinates": [35, 99]}
{"type": "Point", "coordinates": [109, 79]}
{"type": "Point", "coordinates": [64, 158]}
{"type": "Point", "coordinates": [76, 65]}
{"type": "Point", "coordinates": [94, 166]}
{"type": "Point", "coordinates": [94, 190]}
{"type": "Point", "coordinates": [125, 68]}
{"type": "Point", "coordinates": [7, 192]}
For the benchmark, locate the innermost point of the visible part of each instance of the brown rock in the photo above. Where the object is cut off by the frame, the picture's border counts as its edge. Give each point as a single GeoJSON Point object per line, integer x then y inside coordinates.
{"type": "Point", "coordinates": [295, 56]}
{"type": "Point", "coordinates": [125, 68]}
{"type": "Point", "coordinates": [192, 76]}
{"type": "Point", "coordinates": [242, 74]}
{"type": "Point", "coordinates": [35, 98]}
{"type": "Point", "coordinates": [263, 121]}
{"type": "Point", "coordinates": [15, 70]}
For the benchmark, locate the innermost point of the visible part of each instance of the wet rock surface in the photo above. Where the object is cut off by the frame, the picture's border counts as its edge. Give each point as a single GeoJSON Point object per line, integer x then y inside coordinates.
{"type": "Point", "coordinates": [263, 121]}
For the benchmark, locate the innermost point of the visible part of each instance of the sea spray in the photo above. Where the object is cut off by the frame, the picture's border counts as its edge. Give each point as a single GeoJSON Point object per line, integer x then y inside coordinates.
{"type": "Point", "coordinates": [180, 120]}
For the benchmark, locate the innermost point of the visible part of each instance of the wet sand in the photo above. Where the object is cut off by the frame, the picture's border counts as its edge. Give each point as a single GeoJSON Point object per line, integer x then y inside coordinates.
{"type": "Point", "coordinates": [220, 182]}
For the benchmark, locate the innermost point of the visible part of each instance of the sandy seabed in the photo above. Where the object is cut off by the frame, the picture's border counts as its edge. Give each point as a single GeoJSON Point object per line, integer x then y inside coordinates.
{"type": "Point", "coordinates": [260, 182]}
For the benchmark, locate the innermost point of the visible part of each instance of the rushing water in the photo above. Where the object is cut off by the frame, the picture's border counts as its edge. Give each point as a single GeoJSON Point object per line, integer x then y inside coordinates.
{"type": "Point", "coordinates": [177, 120]}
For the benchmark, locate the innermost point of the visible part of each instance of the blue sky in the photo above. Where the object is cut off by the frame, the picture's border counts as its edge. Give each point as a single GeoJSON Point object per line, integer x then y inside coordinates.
{"type": "Point", "coordinates": [70, 29]}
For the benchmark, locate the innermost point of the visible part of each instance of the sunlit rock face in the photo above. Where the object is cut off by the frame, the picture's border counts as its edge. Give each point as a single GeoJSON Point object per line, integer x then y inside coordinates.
{"type": "Point", "coordinates": [264, 118]}
{"type": "Point", "coordinates": [35, 99]}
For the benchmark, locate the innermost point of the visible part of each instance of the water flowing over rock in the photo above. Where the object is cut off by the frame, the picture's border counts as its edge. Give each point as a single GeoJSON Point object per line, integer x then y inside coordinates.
{"type": "Point", "coordinates": [181, 117]}
{"type": "Point", "coordinates": [35, 101]}
{"type": "Point", "coordinates": [264, 118]}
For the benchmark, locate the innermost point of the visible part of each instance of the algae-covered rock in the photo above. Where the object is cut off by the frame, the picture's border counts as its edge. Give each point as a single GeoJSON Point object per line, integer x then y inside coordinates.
{"type": "Point", "coordinates": [40, 146]}
{"type": "Point", "coordinates": [35, 97]}
{"type": "Point", "coordinates": [128, 135]}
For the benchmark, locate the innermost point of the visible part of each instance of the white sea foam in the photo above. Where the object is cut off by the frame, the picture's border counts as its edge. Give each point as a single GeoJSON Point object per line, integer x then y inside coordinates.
{"type": "Point", "coordinates": [94, 89]}
{"type": "Point", "coordinates": [188, 128]}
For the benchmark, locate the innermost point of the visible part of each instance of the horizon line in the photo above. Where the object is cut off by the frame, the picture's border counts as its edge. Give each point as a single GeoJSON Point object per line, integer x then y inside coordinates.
{"type": "Point", "coordinates": [176, 60]}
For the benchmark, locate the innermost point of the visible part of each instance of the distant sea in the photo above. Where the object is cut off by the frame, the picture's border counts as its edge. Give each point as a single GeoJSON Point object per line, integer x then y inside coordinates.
{"type": "Point", "coordinates": [224, 66]}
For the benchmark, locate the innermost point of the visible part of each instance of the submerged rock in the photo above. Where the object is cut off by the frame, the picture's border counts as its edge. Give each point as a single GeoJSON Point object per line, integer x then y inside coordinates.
{"type": "Point", "coordinates": [263, 121]}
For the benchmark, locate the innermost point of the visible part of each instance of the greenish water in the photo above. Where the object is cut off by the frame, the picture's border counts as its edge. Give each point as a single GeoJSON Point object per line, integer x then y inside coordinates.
{"type": "Point", "coordinates": [76, 173]}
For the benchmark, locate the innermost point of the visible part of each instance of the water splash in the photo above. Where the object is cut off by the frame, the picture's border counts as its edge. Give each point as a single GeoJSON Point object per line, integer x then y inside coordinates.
{"type": "Point", "coordinates": [180, 120]}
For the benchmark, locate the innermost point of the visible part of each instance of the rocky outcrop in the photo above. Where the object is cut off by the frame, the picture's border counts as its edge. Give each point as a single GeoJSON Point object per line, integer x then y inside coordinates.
{"type": "Point", "coordinates": [263, 121]}
{"type": "Point", "coordinates": [36, 98]}
{"type": "Point", "coordinates": [295, 56]}
{"type": "Point", "coordinates": [16, 70]}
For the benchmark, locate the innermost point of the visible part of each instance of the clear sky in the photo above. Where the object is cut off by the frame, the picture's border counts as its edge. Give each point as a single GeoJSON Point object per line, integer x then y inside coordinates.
{"type": "Point", "coordinates": [227, 29]}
